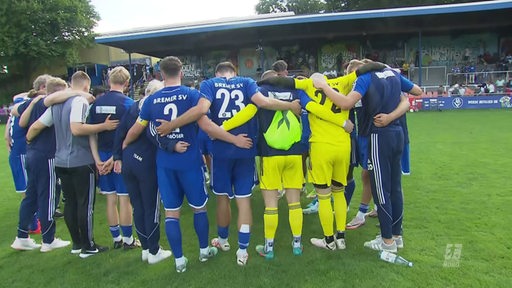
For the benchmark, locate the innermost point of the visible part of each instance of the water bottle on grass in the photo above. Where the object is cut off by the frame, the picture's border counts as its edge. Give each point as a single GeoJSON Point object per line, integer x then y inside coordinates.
{"type": "Point", "coordinates": [393, 258]}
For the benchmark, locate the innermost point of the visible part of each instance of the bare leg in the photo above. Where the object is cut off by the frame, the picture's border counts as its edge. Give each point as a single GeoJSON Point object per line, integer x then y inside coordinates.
{"type": "Point", "coordinates": [112, 213]}
{"type": "Point", "coordinates": [125, 211]}
{"type": "Point", "coordinates": [223, 211]}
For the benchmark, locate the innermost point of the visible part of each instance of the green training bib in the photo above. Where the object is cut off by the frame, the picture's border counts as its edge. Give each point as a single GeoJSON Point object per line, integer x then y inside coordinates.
{"type": "Point", "coordinates": [284, 131]}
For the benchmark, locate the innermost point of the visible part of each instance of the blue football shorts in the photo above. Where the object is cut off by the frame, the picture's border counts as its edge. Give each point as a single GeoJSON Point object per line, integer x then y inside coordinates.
{"type": "Point", "coordinates": [233, 177]}
{"type": "Point", "coordinates": [174, 185]}
{"type": "Point", "coordinates": [362, 151]}
{"type": "Point", "coordinates": [112, 182]}
{"type": "Point", "coordinates": [19, 172]}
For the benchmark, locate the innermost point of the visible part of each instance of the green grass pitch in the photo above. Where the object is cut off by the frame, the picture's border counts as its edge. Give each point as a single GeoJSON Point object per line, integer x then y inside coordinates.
{"type": "Point", "coordinates": [458, 193]}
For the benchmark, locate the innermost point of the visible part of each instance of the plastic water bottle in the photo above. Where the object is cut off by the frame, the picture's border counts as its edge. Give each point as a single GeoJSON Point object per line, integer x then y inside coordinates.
{"type": "Point", "coordinates": [393, 258]}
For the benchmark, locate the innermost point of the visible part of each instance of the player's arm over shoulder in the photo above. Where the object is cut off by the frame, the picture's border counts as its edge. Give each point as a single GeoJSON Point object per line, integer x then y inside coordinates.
{"type": "Point", "coordinates": [45, 120]}
{"type": "Point", "coordinates": [78, 118]}
{"type": "Point", "coordinates": [303, 84]}
{"type": "Point", "coordinates": [409, 87]}
{"type": "Point", "coordinates": [240, 118]}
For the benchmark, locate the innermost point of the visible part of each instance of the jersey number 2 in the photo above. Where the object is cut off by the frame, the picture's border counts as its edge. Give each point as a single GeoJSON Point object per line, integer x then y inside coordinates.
{"type": "Point", "coordinates": [172, 109]}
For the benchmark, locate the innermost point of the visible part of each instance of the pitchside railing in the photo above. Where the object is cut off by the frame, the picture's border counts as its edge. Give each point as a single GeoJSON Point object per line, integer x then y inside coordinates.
{"type": "Point", "coordinates": [476, 77]}
{"type": "Point", "coordinates": [430, 75]}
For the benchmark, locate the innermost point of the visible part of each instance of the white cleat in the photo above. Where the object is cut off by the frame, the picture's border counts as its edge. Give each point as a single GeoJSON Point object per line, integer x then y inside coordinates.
{"type": "Point", "coordinates": [144, 255]}
{"type": "Point", "coordinates": [159, 256]}
{"type": "Point", "coordinates": [57, 243]}
{"type": "Point", "coordinates": [212, 251]}
{"type": "Point", "coordinates": [356, 223]}
{"type": "Point", "coordinates": [182, 267]}
{"type": "Point", "coordinates": [25, 244]}
{"type": "Point", "coordinates": [378, 244]}
{"type": "Point", "coordinates": [320, 243]}
{"type": "Point", "coordinates": [340, 243]}
{"type": "Point", "coordinates": [242, 257]}
{"type": "Point", "coordinates": [398, 240]}
{"type": "Point", "coordinates": [223, 247]}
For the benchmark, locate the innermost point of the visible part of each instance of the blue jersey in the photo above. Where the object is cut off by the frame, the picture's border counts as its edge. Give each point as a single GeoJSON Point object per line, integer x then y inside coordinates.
{"type": "Point", "coordinates": [168, 104]}
{"type": "Point", "coordinates": [141, 147]}
{"type": "Point", "coordinates": [144, 147]}
{"type": "Point", "coordinates": [115, 104]}
{"type": "Point", "coordinates": [380, 94]}
{"type": "Point", "coordinates": [18, 134]}
{"type": "Point", "coordinates": [228, 97]}
{"type": "Point", "coordinates": [18, 142]}
{"type": "Point", "coordinates": [44, 143]}
{"type": "Point", "coordinates": [265, 118]}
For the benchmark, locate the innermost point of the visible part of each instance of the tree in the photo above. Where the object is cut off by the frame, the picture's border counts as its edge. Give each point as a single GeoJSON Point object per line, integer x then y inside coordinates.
{"type": "Point", "coordinates": [34, 33]}
{"type": "Point", "coordinates": [351, 5]}
{"type": "Point", "coordinates": [271, 6]}
{"type": "Point", "coordinates": [301, 7]}
{"type": "Point", "coordinates": [328, 6]}
{"type": "Point", "coordinates": [297, 6]}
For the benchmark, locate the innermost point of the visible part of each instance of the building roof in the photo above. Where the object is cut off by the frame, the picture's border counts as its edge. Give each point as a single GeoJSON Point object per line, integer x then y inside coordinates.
{"type": "Point", "coordinates": [277, 29]}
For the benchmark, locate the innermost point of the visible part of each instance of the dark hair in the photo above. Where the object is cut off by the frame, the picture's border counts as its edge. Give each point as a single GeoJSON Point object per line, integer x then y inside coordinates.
{"type": "Point", "coordinates": [171, 66]}
{"type": "Point", "coordinates": [33, 93]}
{"type": "Point", "coordinates": [279, 66]}
{"type": "Point", "coordinates": [225, 67]}
{"type": "Point", "coordinates": [98, 90]}
{"type": "Point", "coordinates": [268, 74]}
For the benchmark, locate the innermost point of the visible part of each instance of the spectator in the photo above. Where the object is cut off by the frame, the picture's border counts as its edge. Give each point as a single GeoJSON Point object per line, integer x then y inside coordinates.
{"type": "Point", "coordinates": [462, 90]}
{"type": "Point", "coordinates": [440, 91]}
{"type": "Point", "coordinates": [491, 87]}
{"type": "Point", "coordinates": [500, 85]}
{"type": "Point", "coordinates": [483, 88]}
{"type": "Point", "coordinates": [454, 90]}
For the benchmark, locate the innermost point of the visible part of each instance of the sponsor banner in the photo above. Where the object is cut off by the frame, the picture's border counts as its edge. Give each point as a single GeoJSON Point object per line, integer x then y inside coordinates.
{"type": "Point", "coordinates": [464, 102]}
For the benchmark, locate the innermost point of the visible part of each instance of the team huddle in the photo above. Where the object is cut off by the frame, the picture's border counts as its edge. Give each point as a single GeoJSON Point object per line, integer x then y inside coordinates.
{"type": "Point", "coordinates": [154, 151]}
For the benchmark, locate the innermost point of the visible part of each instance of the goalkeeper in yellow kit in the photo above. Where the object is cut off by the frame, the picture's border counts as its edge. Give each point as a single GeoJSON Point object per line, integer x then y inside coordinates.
{"type": "Point", "coordinates": [329, 152]}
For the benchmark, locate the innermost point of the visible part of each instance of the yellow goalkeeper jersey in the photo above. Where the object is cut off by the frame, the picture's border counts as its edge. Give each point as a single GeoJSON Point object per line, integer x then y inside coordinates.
{"type": "Point", "coordinates": [323, 131]}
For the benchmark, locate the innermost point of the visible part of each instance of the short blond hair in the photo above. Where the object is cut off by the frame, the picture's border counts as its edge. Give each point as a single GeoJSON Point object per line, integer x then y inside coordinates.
{"type": "Point", "coordinates": [80, 77]}
{"type": "Point", "coordinates": [54, 84]}
{"type": "Point", "coordinates": [153, 86]}
{"type": "Point", "coordinates": [40, 81]}
{"type": "Point", "coordinates": [119, 75]}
